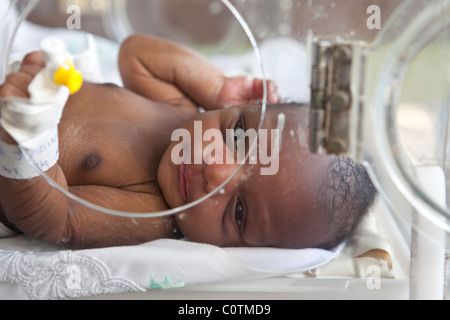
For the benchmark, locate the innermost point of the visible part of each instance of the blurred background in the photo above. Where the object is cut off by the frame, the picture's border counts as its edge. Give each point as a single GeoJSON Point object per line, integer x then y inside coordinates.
{"type": "Point", "coordinates": [205, 21]}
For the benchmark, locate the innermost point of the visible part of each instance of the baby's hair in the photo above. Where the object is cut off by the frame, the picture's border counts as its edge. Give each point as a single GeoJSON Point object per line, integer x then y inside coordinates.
{"type": "Point", "coordinates": [347, 194]}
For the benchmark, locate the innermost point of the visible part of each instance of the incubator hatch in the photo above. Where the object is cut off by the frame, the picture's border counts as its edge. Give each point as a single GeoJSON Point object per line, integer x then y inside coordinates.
{"type": "Point", "coordinates": [376, 78]}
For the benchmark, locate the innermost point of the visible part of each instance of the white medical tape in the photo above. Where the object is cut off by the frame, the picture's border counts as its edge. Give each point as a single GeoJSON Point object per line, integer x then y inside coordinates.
{"type": "Point", "coordinates": [30, 121]}
{"type": "Point", "coordinates": [15, 165]}
{"type": "Point", "coordinates": [33, 124]}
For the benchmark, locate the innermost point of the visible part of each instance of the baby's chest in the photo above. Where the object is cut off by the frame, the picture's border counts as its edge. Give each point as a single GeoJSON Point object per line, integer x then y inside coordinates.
{"type": "Point", "coordinates": [99, 153]}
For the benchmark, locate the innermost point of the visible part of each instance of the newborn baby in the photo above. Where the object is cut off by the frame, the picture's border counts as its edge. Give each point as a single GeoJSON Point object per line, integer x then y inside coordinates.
{"type": "Point", "coordinates": [116, 149]}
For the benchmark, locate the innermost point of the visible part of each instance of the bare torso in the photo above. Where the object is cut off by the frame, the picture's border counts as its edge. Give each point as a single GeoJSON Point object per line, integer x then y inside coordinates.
{"type": "Point", "coordinates": [112, 137]}
{"type": "Point", "coordinates": [116, 141]}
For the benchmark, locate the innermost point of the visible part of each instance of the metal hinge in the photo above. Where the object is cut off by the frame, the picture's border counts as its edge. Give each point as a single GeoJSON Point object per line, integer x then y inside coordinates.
{"type": "Point", "coordinates": [336, 103]}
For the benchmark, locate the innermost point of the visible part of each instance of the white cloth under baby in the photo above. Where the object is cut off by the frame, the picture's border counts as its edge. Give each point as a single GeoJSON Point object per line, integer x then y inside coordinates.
{"type": "Point", "coordinates": [29, 270]}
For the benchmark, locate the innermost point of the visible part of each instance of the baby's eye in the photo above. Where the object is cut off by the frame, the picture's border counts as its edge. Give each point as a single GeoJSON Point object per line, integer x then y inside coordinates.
{"type": "Point", "coordinates": [238, 135]}
{"type": "Point", "coordinates": [239, 212]}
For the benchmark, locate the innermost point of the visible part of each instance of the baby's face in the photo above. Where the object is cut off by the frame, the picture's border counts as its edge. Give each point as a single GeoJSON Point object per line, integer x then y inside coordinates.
{"type": "Point", "coordinates": [267, 203]}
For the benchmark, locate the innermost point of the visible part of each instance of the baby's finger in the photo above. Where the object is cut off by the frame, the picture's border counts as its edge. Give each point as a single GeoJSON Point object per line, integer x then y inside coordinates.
{"type": "Point", "coordinates": [30, 69]}
{"type": "Point", "coordinates": [20, 81]}
{"type": "Point", "coordinates": [8, 90]}
{"type": "Point", "coordinates": [274, 95]}
{"type": "Point", "coordinates": [34, 58]}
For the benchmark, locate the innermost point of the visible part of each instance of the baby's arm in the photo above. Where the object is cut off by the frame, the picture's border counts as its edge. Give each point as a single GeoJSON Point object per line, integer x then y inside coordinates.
{"type": "Point", "coordinates": [42, 212]}
{"type": "Point", "coordinates": [168, 72]}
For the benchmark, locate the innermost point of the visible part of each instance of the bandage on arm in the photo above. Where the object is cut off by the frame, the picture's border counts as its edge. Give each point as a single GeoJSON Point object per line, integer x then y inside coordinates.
{"type": "Point", "coordinates": [34, 126]}
{"type": "Point", "coordinates": [33, 122]}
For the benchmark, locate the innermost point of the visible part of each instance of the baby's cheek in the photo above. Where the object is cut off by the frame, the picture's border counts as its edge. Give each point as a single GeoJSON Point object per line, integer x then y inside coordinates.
{"type": "Point", "coordinates": [198, 226]}
{"type": "Point", "coordinates": [190, 221]}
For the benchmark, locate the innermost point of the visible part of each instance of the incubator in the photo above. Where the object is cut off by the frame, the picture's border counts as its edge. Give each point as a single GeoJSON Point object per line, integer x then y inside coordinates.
{"type": "Point", "coordinates": [375, 76]}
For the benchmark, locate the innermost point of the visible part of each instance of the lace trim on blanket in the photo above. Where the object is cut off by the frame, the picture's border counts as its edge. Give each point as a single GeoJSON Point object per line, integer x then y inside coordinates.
{"type": "Point", "coordinates": [67, 275]}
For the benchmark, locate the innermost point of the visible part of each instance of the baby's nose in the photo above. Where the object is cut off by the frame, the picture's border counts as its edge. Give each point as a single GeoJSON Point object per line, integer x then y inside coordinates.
{"type": "Point", "coordinates": [216, 174]}
{"type": "Point", "coordinates": [220, 163]}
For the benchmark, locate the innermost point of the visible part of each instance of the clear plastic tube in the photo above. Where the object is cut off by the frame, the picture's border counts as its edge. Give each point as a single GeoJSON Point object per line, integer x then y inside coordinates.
{"type": "Point", "coordinates": [9, 24]}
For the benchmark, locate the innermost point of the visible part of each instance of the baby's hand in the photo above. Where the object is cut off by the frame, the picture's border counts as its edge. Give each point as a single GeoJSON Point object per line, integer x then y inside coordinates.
{"type": "Point", "coordinates": [244, 90]}
{"type": "Point", "coordinates": [16, 84]}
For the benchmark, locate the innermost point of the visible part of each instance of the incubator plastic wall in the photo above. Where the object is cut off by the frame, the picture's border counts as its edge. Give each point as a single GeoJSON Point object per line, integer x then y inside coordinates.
{"type": "Point", "coordinates": [407, 76]}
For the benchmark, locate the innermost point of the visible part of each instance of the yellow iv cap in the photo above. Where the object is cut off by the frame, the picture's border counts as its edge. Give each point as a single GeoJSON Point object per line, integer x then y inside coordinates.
{"type": "Point", "coordinates": [69, 77]}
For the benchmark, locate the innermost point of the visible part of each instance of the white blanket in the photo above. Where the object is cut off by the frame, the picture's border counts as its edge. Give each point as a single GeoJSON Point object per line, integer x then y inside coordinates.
{"type": "Point", "coordinates": [29, 270]}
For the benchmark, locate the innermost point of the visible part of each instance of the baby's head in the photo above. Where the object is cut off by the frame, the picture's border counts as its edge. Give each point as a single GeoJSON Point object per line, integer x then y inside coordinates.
{"type": "Point", "coordinates": [346, 194]}
{"type": "Point", "coordinates": [289, 199]}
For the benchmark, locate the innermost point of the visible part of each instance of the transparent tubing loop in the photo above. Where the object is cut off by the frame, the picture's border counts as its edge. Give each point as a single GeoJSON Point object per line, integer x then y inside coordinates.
{"type": "Point", "coordinates": [118, 27]}
{"type": "Point", "coordinates": [13, 27]}
{"type": "Point", "coordinates": [115, 21]}
{"type": "Point", "coordinates": [90, 205]}
{"type": "Point", "coordinates": [433, 17]}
